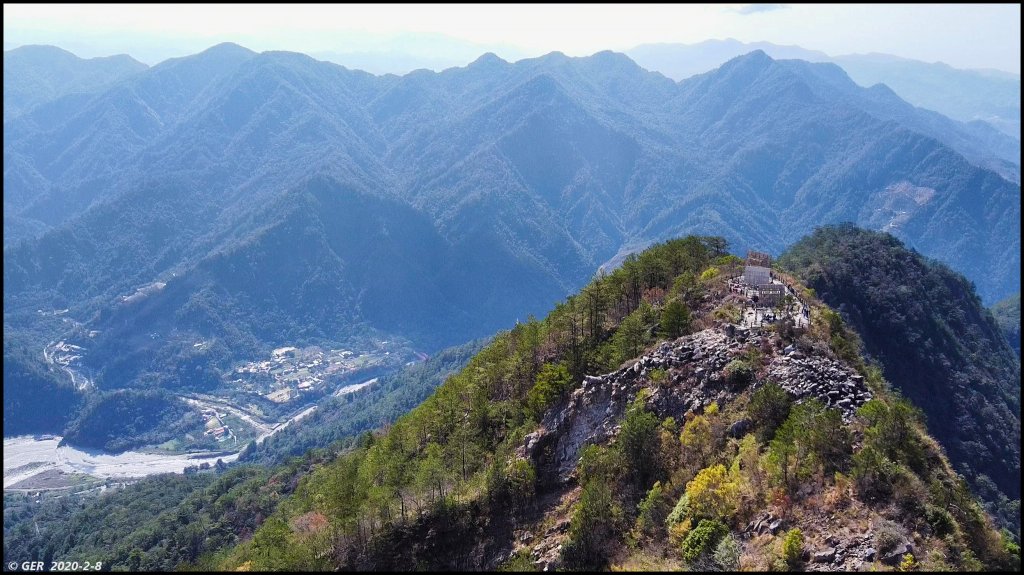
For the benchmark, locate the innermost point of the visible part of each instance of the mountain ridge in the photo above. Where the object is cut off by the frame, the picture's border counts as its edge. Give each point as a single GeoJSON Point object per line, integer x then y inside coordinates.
{"type": "Point", "coordinates": [965, 95]}
{"type": "Point", "coordinates": [529, 176]}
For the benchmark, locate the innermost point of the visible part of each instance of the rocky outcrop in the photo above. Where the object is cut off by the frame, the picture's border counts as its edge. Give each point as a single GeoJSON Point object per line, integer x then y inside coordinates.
{"type": "Point", "coordinates": [592, 412]}
{"type": "Point", "coordinates": [693, 365]}
{"type": "Point", "coordinates": [824, 378]}
{"type": "Point", "coordinates": [765, 524]}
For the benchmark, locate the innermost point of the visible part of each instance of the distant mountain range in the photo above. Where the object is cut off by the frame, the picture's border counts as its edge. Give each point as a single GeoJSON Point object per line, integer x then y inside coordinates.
{"type": "Point", "coordinates": [991, 96]}
{"type": "Point", "coordinates": [276, 198]}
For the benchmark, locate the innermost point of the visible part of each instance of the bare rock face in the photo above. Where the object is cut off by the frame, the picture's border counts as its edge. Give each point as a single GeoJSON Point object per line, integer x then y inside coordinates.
{"type": "Point", "coordinates": [694, 365]}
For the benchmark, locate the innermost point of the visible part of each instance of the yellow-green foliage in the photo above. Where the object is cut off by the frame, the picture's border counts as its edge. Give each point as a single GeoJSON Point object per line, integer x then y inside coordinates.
{"type": "Point", "coordinates": [729, 260]}
{"type": "Point", "coordinates": [729, 313]}
{"type": "Point", "coordinates": [748, 473]}
{"type": "Point", "coordinates": [659, 377]}
{"type": "Point", "coordinates": [677, 532]}
{"type": "Point", "coordinates": [713, 494]}
{"type": "Point", "coordinates": [908, 563]}
{"type": "Point", "coordinates": [709, 274]}
{"type": "Point", "coordinates": [696, 441]}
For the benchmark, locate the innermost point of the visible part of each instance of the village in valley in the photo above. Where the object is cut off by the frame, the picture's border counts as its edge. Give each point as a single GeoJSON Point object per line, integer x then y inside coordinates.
{"type": "Point", "coordinates": [292, 372]}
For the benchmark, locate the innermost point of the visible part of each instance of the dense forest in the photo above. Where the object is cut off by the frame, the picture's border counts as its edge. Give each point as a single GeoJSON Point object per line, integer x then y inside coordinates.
{"type": "Point", "coordinates": [937, 344]}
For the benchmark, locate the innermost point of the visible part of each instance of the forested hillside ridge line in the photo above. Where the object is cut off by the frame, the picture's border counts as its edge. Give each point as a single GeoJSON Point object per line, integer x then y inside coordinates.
{"type": "Point", "coordinates": [156, 523]}
{"type": "Point", "coordinates": [37, 74]}
{"type": "Point", "coordinates": [1007, 314]}
{"type": "Point", "coordinates": [936, 343]}
{"type": "Point", "coordinates": [704, 444]}
{"type": "Point", "coordinates": [129, 418]}
{"type": "Point", "coordinates": [250, 158]}
{"type": "Point", "coordinates": [37, 398]}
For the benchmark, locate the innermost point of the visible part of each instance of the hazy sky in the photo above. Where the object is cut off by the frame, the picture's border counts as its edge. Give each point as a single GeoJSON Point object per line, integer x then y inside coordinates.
{"type": "Point", "coordinates": [964, 36]}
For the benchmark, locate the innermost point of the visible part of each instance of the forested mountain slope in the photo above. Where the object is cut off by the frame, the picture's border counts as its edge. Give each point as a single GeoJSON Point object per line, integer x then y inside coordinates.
{"type": "Point", "coordinates": [1007, 314]}
{"type": "Point", "coordinates": [936, 342]}
{"type": "Point", "coordinates": [281, 200]}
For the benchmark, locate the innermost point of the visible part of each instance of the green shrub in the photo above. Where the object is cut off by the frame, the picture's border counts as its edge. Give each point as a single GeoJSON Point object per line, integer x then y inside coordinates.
{"type": "Point", "coordinates": [887, 536]}
{"type": "Point", "coordinates": [593, 524]}
{"type": "Point", "coordinates": [658, 376]}
{"type": "Point", "coordinates": [738, 373]}
{"type": "Point", "coordinates": [675, 319]}
{"type": "Point", "coordinates": [793, 547]}
{"type": "Point", "coordinates": [518, 563]}
{"type": "Point", "coordinates": [873, 474]}
{"type": "Point", "coordinates": [769, 407]}
{"type": "Point", "coordinates": [941, 522]}
{"type": "Point", "coordinates": [521, 480]}
{"type": "Point", "coordinates": [552, 381]}
{"type": "Point", "coordinates": [638, 443]}
{"type": "Point", "coordinates": [727, 553]}
{"type": "Point", "coordinates": [680, 512]}
{"type": "Point", "coordinates": [651, 512]}
{"type": "Point", "coordinates": [703, 539]}
{"type": "Point", "coordinates": [891, 430]}
{"type": "Point", "coordinates": [599, 462]}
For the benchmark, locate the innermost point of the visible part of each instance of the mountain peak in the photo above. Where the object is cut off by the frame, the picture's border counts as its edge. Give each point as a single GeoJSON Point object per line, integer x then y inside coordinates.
{"type": "Point", "coordinates": [611, 58]}
{"type": "Point", "coordinates": [552, 57]}
{"type": "Point", "coordinates": [488, 59]}
{"type": "Point", "coordinates": [41, 50]}
{"type": "Point", "coordinates": [227, 48]}
{"type": "Point", "coordinates": [750, 64]}
{"type": "Point", "coordinates": [759, 56]}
